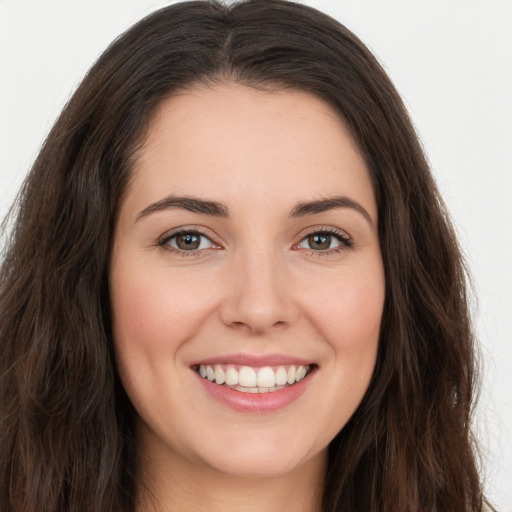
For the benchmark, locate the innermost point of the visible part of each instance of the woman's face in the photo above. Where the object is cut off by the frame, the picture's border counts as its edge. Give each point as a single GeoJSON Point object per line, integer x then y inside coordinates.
{"type": "Point", "coordinates": [246, 251]}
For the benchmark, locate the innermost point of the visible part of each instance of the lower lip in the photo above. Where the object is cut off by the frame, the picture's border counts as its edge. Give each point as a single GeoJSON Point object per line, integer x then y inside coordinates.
{"type": "Point", "coordinates": [256, 402]}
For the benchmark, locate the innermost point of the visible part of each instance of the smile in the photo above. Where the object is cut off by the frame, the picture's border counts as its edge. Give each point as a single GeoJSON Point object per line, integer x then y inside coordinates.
{"type": "Point", "coordinates": [249, 379]}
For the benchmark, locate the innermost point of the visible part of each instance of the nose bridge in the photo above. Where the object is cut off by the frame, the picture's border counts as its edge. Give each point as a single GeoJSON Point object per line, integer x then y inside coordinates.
{"type": "Point", "coordinates": [259, 295]}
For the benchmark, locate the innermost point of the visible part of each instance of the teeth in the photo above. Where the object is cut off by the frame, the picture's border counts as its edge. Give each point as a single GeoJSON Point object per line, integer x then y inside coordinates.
{"type": "Point", "coordinates": [257, 390]}
{"type": "Point", "coordinates": [266, 378]}
{"type": "Point", "coordinates": [247, 377]}
{"type": "Point", "coordinates": [231, 376]}
{"type": "Point", "coordinates": [220, 376]}
{"type": "Point", "coordinates": [254, 380]}
{"type": "Point", "coordinates": [301, 373]}
{"type": "Point", "coordinates": [210, 374]}
{"type": "Point", "coordinates": [281, 376]}
{"type": "Point", "coordinates": [291, 375]}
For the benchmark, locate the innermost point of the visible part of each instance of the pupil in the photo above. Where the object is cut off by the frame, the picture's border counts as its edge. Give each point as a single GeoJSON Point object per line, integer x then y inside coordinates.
{"type": "Point", "coordinates": [188, 241]}
{"type": "Point", "coordinates": [319, 241]}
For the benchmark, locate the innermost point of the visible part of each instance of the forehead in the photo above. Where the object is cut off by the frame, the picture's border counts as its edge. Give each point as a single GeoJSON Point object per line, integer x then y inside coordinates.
{"type": "Point", "coordinates": [230, 141]}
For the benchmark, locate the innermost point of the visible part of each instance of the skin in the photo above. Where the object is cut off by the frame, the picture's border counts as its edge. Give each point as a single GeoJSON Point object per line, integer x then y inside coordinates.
{"type": "Point", "coordinates": [255, 286]}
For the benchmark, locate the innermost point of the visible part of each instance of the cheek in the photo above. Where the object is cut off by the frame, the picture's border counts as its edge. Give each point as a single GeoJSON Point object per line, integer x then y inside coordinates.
{"type": "Point", "coordinates": [348, 310]}
{"type": "Point", "coordinates": [154, 311]}
{"type": "Point", "coordinates": [348, 320]}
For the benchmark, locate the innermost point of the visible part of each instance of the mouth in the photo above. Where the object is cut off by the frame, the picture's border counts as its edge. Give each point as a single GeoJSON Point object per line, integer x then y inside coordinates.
{"type": "Point", "coordinates": [248, 379]}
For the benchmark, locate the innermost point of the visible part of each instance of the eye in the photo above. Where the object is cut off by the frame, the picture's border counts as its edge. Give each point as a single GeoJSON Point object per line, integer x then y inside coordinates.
{"type": "Point", "coordinates": [188, 241]}
{"type": "Point", "coordinates": [325, 241]}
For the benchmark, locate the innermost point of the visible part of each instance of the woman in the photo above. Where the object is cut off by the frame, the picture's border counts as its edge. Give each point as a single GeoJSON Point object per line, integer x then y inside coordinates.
{"type": "Point", "coordinates": [240, 289]}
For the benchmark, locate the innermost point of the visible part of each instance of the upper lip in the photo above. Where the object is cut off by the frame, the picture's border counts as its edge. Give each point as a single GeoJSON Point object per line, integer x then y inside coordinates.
{"type": "Point", "coordinates": [255, 361]}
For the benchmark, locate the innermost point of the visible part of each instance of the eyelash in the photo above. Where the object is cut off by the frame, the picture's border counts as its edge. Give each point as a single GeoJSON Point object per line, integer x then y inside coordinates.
{"type": "Point", "coordinates": [344, 240]}
{"type": "Point", "coordinates": [164, 243]}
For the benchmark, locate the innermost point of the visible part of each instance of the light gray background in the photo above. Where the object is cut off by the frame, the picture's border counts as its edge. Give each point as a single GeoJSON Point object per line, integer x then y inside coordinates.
{"type": "Point", "coordinates": [450, 59]}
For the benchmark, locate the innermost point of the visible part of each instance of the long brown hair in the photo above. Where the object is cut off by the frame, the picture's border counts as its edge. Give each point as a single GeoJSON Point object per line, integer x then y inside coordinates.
{"type": "Point", "coordinates": [66, 425]}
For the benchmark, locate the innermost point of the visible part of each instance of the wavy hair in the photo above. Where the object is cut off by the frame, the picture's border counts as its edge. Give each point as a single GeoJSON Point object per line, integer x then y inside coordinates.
{"type": "Point", "coordinates": [67, 439]}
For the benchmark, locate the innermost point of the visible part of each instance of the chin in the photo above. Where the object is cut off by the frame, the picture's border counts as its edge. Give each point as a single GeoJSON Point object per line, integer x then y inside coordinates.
{"type": "Point", "coordinates": [263, 458]}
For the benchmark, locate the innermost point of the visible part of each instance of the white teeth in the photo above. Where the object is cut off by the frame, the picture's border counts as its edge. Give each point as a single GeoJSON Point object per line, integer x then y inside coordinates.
{"type": "Point", "coordinates": [231, 376]}
{"type": "Point", "coordinates": [253, 380]}
{"type": "Point", "coordinates": [281, 376]}
{"type": "Point", "coordinates": [257, 390]}
{"type": "Point", "coordinates": [247, 377]}
{"type": "Point", "coordinates": [220, 376]}
{"type": "Point", "coordinates": [266, 378]}
{"type": "Point", "coordinates": [301, 373]}
{"type": "Point", "coordinates": [291, 375]}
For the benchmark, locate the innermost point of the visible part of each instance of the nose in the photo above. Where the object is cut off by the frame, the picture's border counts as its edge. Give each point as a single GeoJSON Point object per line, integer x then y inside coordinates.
{"type": "Point", "coordinates": [259, 294]}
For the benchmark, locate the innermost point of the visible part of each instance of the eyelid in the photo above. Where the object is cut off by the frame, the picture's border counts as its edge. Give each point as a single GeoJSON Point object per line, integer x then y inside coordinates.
{"type": "Point", "coordinates": [343, 237]}
{"type": "Point", "coordinates": [163, 241]}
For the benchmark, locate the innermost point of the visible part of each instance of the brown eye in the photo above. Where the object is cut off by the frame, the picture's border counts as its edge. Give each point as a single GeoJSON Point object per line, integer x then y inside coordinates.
{"type": "Point", "coordinates": [325, 241]}
{"type": "Point", "coordinates": [319, 241]}
{"type": "Point", "coordinates": [189, 241]}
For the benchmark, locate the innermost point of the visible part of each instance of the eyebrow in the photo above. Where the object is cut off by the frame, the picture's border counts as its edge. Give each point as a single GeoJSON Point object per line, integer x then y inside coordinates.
{"type": "Point", "coordinates": [216, 209]}
{"type": "Point", "coordinates": [331, 203]}
{"type": "Point", "coordinates": [191, 204]}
